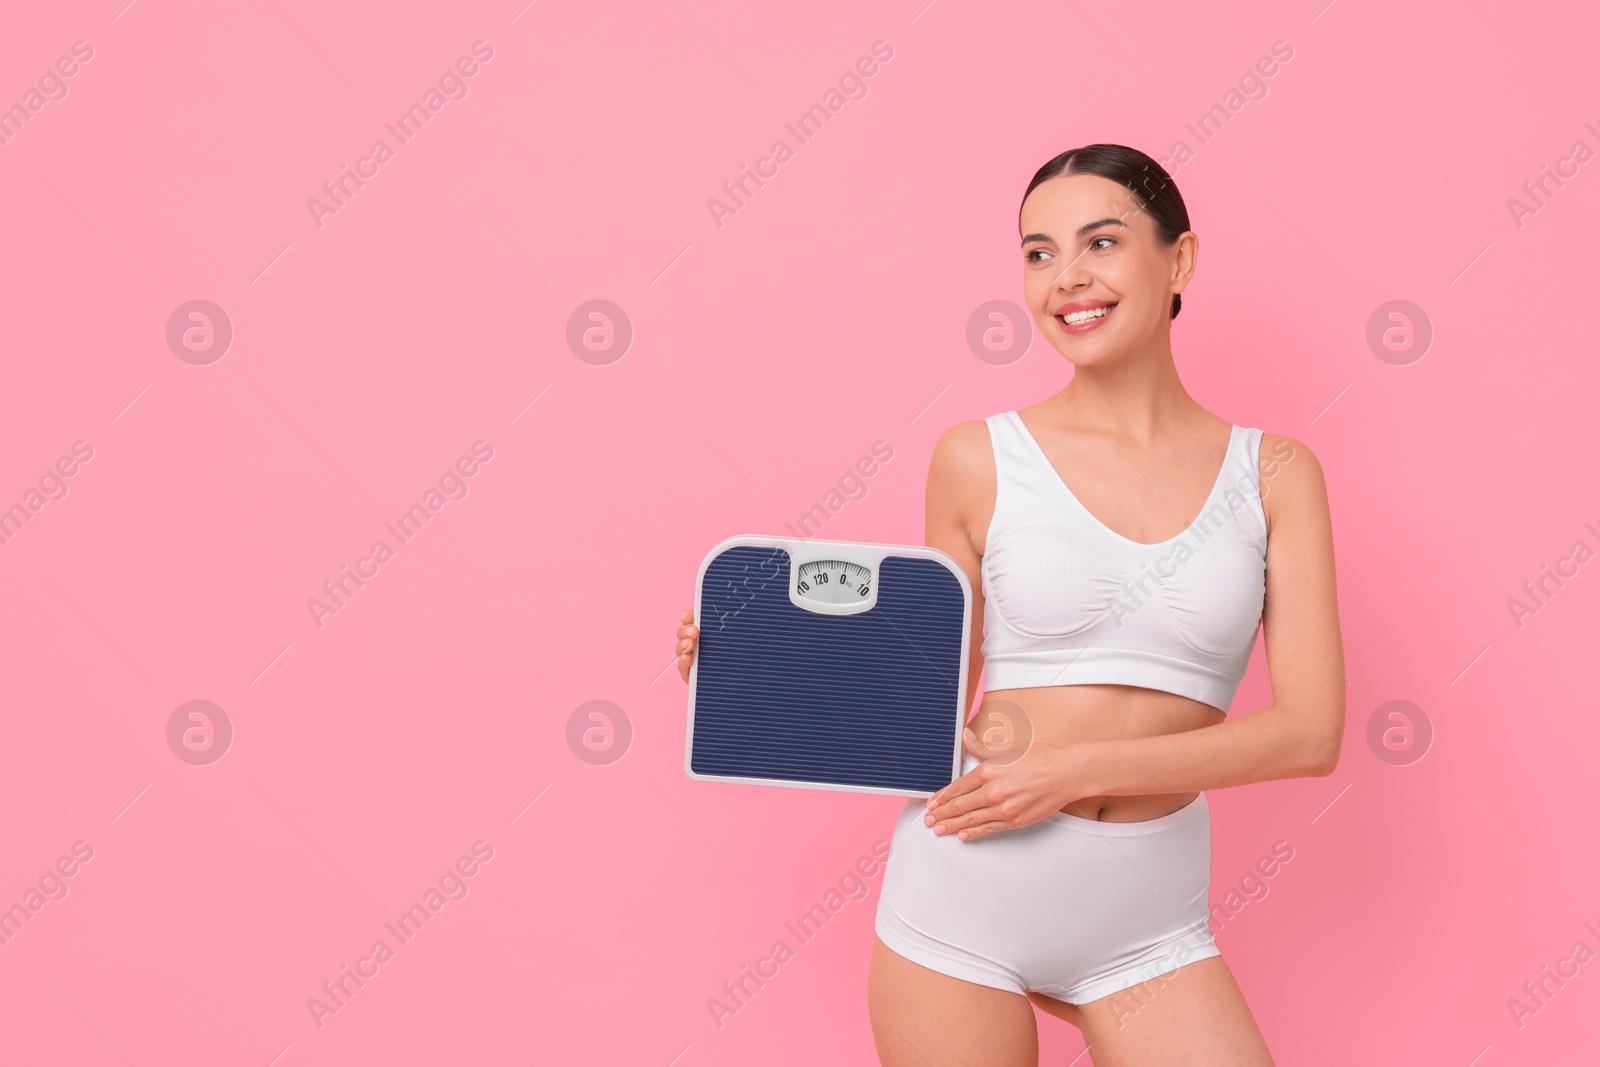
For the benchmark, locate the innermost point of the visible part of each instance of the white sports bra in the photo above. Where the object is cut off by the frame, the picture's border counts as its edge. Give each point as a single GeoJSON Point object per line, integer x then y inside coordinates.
{"type": "Point", "coordinates": [1068, 601]}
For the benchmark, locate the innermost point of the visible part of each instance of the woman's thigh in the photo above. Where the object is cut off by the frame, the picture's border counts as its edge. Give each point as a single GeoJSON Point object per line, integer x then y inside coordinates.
{"type": "Point", "coordinates": [1194, 1016]}
{"type": "Point", "coordinates": [922, 1018]}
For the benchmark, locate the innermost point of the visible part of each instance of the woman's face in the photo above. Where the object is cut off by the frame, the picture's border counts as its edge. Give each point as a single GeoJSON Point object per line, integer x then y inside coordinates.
{"type": "Point", "coordinates": [1087, 244]}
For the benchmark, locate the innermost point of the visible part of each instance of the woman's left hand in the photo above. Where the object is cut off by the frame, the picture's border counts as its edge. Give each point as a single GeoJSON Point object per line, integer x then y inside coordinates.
{"type": "Point", "coordinates": [1006, 793]}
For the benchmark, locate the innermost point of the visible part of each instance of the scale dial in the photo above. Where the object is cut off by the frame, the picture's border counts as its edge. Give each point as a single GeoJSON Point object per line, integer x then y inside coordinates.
{"type": "Point", "coordinates": [834, 581]}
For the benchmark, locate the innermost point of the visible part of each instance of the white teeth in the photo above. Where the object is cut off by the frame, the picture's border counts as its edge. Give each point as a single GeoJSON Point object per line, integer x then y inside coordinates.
{"type": "Point", "coordinates": [1084, 316]}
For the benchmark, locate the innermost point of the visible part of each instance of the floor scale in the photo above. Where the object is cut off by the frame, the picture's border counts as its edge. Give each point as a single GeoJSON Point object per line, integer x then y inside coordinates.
{"type": "Point", "coordinates": [829, 665]}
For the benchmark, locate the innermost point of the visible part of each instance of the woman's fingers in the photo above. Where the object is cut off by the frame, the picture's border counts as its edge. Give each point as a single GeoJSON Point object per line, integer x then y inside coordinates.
{"type": "Point", "coordinates": [688, 634]}
{"type": "Point", "coordinates": [942, 803]}
{"type": "Point", "coordinates": [971, 801]}
{"type": "Point", "coordinates": [688, 629]}
{"type": "Point", "coordinates": [968, 798]}
{"type": "Point", "coordinates": [984, 819]}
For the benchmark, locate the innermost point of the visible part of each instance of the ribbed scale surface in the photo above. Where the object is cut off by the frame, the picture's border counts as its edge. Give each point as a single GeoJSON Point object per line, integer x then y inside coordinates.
{"type": "Point", "coordinates": [851, 700]}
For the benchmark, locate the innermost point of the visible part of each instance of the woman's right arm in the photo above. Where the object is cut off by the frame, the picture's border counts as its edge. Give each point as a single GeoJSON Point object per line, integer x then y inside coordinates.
{"type": "Point", "coordinates": [961, 479]}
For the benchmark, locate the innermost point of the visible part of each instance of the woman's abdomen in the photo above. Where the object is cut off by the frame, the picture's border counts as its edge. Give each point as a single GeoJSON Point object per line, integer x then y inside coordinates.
{"type": "Point", "coordinates": [1015, 720]}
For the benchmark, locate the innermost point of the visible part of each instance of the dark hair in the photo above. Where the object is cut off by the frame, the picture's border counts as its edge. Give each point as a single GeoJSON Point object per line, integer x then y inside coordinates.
{"type": "Point", "coordinates": [1151, 187]}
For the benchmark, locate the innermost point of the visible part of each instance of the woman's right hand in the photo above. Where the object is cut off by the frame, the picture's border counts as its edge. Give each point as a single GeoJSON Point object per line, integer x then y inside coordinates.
{"type": "Point", "coordinates": [688, 634]}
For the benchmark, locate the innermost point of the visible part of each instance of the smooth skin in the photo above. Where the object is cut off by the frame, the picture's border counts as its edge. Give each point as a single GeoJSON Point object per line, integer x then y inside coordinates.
{"type": "Point", "coordinates": [1142, 456]}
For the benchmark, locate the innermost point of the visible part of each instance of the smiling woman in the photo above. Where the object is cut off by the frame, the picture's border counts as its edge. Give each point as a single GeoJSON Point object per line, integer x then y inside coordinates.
{"type": "Point", "coordinates": [1124, 547]}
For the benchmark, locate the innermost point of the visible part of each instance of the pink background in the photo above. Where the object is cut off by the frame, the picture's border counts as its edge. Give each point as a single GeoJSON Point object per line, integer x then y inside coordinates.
{"type": "Point", "coordinates": [768, 354]}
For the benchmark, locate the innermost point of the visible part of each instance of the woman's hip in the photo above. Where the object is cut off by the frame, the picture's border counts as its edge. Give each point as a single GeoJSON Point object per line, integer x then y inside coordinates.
{"type": "Point", "coordinates": [1082, 882]}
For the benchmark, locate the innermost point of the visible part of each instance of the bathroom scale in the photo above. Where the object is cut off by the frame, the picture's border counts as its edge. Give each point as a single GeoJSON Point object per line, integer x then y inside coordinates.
{"type": "Point", "coordinates": [829, 665]}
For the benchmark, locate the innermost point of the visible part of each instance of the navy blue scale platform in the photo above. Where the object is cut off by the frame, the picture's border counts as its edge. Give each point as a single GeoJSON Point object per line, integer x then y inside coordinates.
{"type": "Point", "coordinates": [829, 665]}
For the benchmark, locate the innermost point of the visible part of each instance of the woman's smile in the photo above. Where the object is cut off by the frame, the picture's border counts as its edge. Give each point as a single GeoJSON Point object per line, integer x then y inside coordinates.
{"type": "Point", "coordinates": [1081, 316]}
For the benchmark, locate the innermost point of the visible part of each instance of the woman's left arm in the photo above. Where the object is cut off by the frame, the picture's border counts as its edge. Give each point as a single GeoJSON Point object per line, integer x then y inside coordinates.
{"type": "Point", "coordinates": [1298, 735]}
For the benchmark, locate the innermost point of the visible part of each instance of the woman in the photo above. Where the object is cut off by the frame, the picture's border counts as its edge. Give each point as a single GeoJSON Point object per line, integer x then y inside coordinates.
{"type": "Point", "coordinates": [1120, 572]}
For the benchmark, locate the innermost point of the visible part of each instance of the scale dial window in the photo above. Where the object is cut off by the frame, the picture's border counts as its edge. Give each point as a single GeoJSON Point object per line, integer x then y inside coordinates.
{"type": "Point", "coordinates": [834, 581]}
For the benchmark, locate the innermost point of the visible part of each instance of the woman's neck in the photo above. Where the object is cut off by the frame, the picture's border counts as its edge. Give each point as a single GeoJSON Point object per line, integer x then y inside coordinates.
{"type": "Point", "coordinates": [1135, 398]}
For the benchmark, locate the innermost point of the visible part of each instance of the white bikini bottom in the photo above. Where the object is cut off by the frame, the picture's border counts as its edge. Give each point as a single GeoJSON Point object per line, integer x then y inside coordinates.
{"type": "Point", "coordinates": [1073, 908]}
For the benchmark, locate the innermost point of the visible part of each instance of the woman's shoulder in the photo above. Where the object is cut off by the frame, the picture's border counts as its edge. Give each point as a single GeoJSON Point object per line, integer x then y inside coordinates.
{"type": "Point", "coordinates": [1291, 476]}
{"type": "Point", "coordinates": [964, 451]}
{"type": "Point", "coordinates": [962, 479]}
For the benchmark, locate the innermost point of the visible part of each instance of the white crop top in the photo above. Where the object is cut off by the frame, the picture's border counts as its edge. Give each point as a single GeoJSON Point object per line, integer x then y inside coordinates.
{"type": "Point", "coordinates": [1068, 601]}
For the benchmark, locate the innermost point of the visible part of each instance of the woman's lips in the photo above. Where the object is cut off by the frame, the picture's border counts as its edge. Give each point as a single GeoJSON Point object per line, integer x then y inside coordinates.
{"type": "Point", "coordinates": [1085, 327]}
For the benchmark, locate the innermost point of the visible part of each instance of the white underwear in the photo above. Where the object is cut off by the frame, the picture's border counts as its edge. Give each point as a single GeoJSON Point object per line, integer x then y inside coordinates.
{"type": "Point", "coordinates": [1073, 908]}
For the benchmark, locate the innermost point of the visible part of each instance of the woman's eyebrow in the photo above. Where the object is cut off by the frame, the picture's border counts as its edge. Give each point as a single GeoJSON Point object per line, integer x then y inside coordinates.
{"type": "Point", "coordinates": [1083, 231]}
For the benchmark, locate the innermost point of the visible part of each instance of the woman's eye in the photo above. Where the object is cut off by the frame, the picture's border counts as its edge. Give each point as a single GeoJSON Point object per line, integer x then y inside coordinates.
{"type": "Point", "coordinates": [1033, 253]}
{"type": "Point", "coordinates": [1096, 240]}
